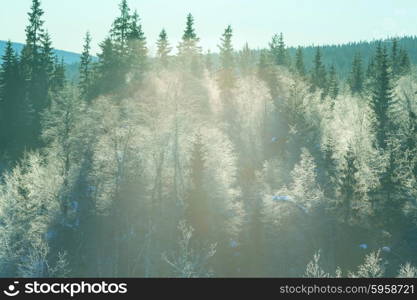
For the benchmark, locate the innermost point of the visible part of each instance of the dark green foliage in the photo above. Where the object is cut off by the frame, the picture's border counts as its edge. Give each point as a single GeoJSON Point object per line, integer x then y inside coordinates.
{"type": "Point", "coordinates": [278, 50]}
{"type": "Point", "coordinates": [382, 96]}
{"type": "Point", "coordinates": [318, 76]}
{"type": "Point", "coordinates": [137, 49]}
{"type": "Point", "coordinates": [197, 206]}
{"type": "Point", "coordinates": [356, 77]}
{"type": "Point", "coordinates": [189, 32]}
{"type": "Point", "coordinates": [333, 89]}
{"type": "Point", "coordinates": [189, 53]}
{"type": "Point", "coordinates": [342, 55]}
{"type": "Point", "coordinates": [267, 73]}
{"type": "Point", "coordinates": [347, 186]}
{"type": "Point", "coordinates": [11, 106]}
{"type": "Point", "coordinates": [299, 62]}
{"type": "Point", "coordinates": [226, 77]}
{"type": "Point", "coordinates": [86, 68]}
{"type": "Point", "coordinates": [123, 55]}
{"type": "Point", "coordinates": [164, 48]}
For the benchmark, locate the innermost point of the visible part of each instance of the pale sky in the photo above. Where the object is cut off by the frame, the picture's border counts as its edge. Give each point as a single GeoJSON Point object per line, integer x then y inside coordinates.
{"type": "Point", "coordinates": [303, 22]}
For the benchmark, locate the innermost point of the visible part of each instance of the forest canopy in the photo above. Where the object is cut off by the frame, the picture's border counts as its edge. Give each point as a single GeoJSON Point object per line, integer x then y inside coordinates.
{"type": "Point", "coordinates": [279, 162]}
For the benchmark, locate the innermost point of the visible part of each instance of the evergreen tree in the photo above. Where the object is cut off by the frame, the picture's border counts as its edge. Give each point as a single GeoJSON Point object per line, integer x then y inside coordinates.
{"type": "Point", "coordinates": [278, 50]}
{"type": "Point", "coordinates": [37, 63]}
{"type": "Point", "coordinates": [120, 29]}
{"type": "Point", "coordinates": [347, 187]}
{"type": "Point", "coordinates": [188, 50]}
{"type": "Point", "coordinates": [189, 32]}
{"type": "Point", "coordinates": [110, 75]}
{"type": "Point", "coordinates": [299, 62]}
{"type": "Point", "coordinates": [395, 57]}
{"type": "Point", "coordinates": [404, 63]}
{"type": "Point", "coordinates": [356, 80]}
{"type": "Point", "coordinates": [246, 60]}
{"type": "Point", "coordinates": [58, 79]}
{"type": "Point", "coordinates": [267, 73]}
{"type": "Point", "coordinates": [226, 77]}
{"type": "Point", "coordinates": [333, 89]}
{"type": "Point", "coordinates": [164, 48]}
{"type": "Point", "coordinates": [318, 74]}
{"type": "Point", "coordinates": [137, 49]}
{"type": "Point", "coordinates": [10, 99]}
{"type": "Point", "coordinates": [382, 91]}
{"type": "Point", "coordinates": [209, 62]}
{"type": "Point", "coordinates": [86, 68]}
{"type": "Point", "coordinates": [197, 206]}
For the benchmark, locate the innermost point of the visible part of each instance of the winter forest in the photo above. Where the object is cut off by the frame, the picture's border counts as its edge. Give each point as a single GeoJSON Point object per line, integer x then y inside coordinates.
{"type": "Point", "coordinates": [187, 163]}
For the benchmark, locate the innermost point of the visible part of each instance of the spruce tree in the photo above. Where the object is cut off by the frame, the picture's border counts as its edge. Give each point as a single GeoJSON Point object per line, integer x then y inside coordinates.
{"type": "Point", "coordinates": [189, 32]}
{"type": "Point", "coordinates": [164, 48]}
{"type": "Point", "coordinates": [404, 63]}
{"type": "Point", "coordinates": [318, 74]}
{"type": "Point", "coordinates": [86, 68]}
{"type": "Point", "coordinates": [197, 206]}
{"type": "Point", "coordinates": [299, 62]}
{"type": "Point", "coordinates": [382, 91]}
{"type": "Point", "coordinates": [110, 75]}
{"type": "Point", "coordinates": [227, 79]}
{"type": "Point", "coordinates": [356, 77]}
{"type": "Point", "coordinates": [278, 50]}
{"type": "Point", "coordinates": [348, 185]}
{"type": "Point", "coordinates": [246, 60]}
{"type": "Point", "coordinates": [120, 29]}
{"type": "Point", "coordinates": [395, 57]}
{"type": "Point", "coordinates": [267, 73]}
{"type": "Point", "coordinates": [209, 62]}
{"type": "Point", "coordinates": [189, 52]}
{"type": "Point", "coordinates": [37, 63]}
{"type": "Point", "coordinates": [58, 79]}
{"type": "Point", "coordinates": [137, 49]}
{"type": "Point", "coordinates": [10, 100]}
{"type": "Point", "coordinates": [333, 89]}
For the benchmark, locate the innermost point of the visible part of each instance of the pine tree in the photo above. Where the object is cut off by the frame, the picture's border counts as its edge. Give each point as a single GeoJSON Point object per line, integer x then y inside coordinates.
{"type": "Point", "coordinates": [395, 57]}
{"type": "Point", "coordinates": [333, 89]}
{"type": "Point", "coordinates": [164, 48]}
{"type": "Point", "coordinates": [189, 52]}
{"type": "Point", "coordinates": [382, 91]}
{"type": "Point", "coordinates": [37, 63]}
{"type": "Point", "coordinates": [246, 60]}
{"type": "Point", "coordinates": [86, 68]}
{"type": "Point", "coordinates": [209, 62]}
{"type": "Point", "coordinates": [197, 206]}
{"type": "Point", "coordinates": [267, 73]}
{"type": "Point", "coordinates": [137, 49]}
{"type": "Point", "coordinates": [34, 30]}
{"type": "Point", "coordinates": [120, 29]}
{"type": "Point", "coordinates": [227, 79]}
{"type": "Point", "coordinates": [278, 50]}
{"type": "Point", "coordinates": [110, 75]}
{"type": "Point", "coordinates": [58, 79]}
{"type": "Point", "coordinates": [47, 60]}
{"type": "Point", "coordinates": [356, 78]}
{"type": "Point", "coordinates": [299, 62]}
{"type": "Point", "coordinates": [10, 99]}
{"type": "Point", "coordinates": [347, 187]}
{"type": "Point", "coordinates": [189, 32]}
{"type": "Point", "coordinates": [318, 74]}
{"type": "Point", "coordinates": [404, 63]}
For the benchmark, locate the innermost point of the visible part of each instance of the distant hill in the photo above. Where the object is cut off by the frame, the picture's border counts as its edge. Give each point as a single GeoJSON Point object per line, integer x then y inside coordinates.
{"type": "Point", "coordinates": [69, 57]}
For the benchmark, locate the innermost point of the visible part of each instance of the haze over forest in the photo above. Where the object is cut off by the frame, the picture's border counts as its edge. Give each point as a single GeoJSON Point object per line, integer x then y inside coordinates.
{"type": "Point", "coordinates": [269, 162]}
